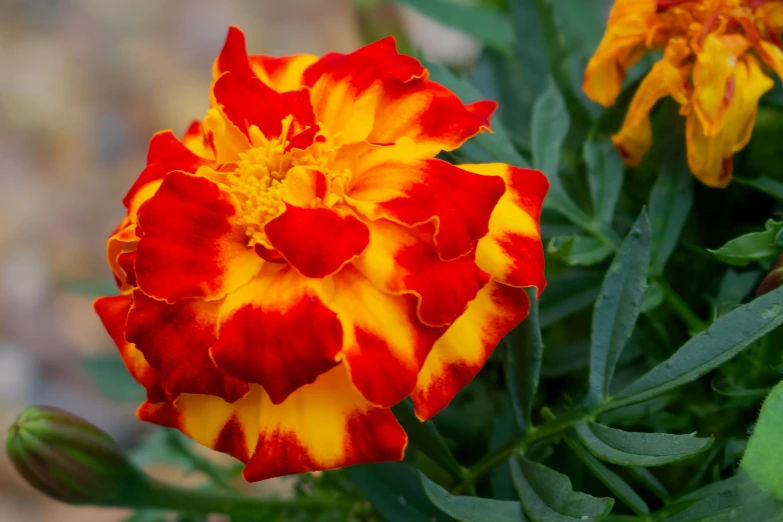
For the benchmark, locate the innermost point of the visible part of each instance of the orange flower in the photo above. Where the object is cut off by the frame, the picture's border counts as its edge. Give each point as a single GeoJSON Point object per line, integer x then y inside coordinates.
{"type": "Point", "coordinates": [300, 262]}
{"type": "Point", "coordinates": [713, 52]}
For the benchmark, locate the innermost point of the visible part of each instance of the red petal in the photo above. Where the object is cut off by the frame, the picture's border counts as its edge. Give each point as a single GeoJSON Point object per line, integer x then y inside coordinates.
{"type": "Point", "coordinates": [403, 260]}
{"type": "Point", "coordinates": [282, 74]}
{"type": "Point", "coordinates": [191, 245]}
{"type": "Point", "coordinates": [175, 339]}
{"type": "Point", "coordinates": [251, 102]}
{"type": "Point", "coordinates": [324, 425]}
{"type": "Point", "coordinates": [317, 241]}
{"type": "Point", "coordinates": [113, 312]}
{"type": "Point", "coordinates": [233, 57]}
{"type": "Point", "coordinates": [458, 202]}
{"type": "Point", "coordinates": [462, 351]}
{"type": "Point", "coordinates": [276, 331]}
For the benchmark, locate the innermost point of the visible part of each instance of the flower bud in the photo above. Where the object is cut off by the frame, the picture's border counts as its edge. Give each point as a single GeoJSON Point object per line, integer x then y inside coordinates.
{"type": "Point", "coordinates": [774, 278]}
{"type": "Point", "coordinates": [69, 459]}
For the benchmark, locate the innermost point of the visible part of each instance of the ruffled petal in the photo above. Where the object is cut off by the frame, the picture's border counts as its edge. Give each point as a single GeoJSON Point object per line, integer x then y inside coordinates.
{"type": "Point", "coordinates": [282, 74]}
{"type": "Point", "coordinates": [462, 351]}
{"type": "Point", "coordinates": [233, 57]}
{"type": "Point", "coordinates": [324, 425]}
{"type": "Point", "coordinates": [384, 343]}
{"type": "Point", "coordinates": [123, 239]}
{"type": "Point", "coordinates": [400, 260]}
{"type": "Point", "coordinates": [113, 312]}
{"type": "Point", "coordinates": [317, 241]}
{"type": "Point", "coordinates": [412, 192]}
{"type": "Point", "coordinates": [227, 427]}
{"type": "Point", "coordinates": [714, 84]}
{"type": "Point", "coordinates": [379, 95]}
{"type": "Point", "coordinates": [512, 252]}
{"type": "Point", "coordinates": [197, 141]}
{"type": "Point", "coordinates": [635, 136]}
{"type": "Point", "coordinates": [175, 339]}
{"type": "Point", "coordinates": [191, 245]}
{"type": "Point", "coordinates": [630, 24]}
{"type": "Point", "coordinates": [710, 157]}
{"type": "Point", "coordinates": [277, 332]}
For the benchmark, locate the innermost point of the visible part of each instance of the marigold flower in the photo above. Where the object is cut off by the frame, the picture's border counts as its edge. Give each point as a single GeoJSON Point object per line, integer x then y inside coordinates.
{"type": "Point", "coordinates": [713, 51]}
{"type": "Point", "coordinates": [300, 262]}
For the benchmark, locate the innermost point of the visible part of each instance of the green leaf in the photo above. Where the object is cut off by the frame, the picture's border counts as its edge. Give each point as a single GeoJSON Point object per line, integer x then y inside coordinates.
{"type": "Point", "coordinates": [628, 448]}
{"type": "Point", "coordinates": [618, 307]}
{"type": "Point", "coordinates": [755, 246]}
{"type": "Point", "coordinates": [395, 489]}
{"type": "Point", "coordinates": [529, 45]}
{"type": "Point", "coordinates": [579, 250]}
{"type": "Point", "coordinates": [549, 129]}
{"type": "Point", "coordinates": [472, 509]}
{"type": "Point", "coordinates": [605, 176]}
{"type": "Point", "coordinates": [653, 297]}
{"type": "Point", "coordinates": [724, 339]}
{"type": "Point", "coordinates": [649, 481]}
{"type": "Point", "coordinates": [671, 199]}
{"type": "Point", "coordinates": [567, 293]}
{"type": "Point", "coordinates": [610, 479]}
{"type": "Point", "coordinates": [425, 437]}
{"type": "Point", "coordinates": [768, 186]}
{"type": "Point", "coordinates": [524, 365]}
{"type": "Point", "coordinates": [734, 287]}
{"type": "Point", "coordinates": [486, 25]}
{"type": "Point", "coordinates": [498, 143]}
{"type": "Point", "coordinates": [547, 496]}
{"type": "Point", "coordinates": [763, 458]}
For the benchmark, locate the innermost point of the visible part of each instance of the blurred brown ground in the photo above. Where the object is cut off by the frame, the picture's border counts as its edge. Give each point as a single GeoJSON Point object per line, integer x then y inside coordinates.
{"type": "Point", "coordinates": [83, 86]}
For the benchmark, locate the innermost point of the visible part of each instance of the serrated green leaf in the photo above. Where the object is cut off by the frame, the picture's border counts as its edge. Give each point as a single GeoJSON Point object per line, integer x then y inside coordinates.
{"type": "Point", "coordinates": [671, 199]}
{"type": "Point", "coordinates": [472, 509]}
{"type": "Point", "coordinates": [628, 448]}
{"type": "Point", "coordinates": [425, 437]}
{"type": "Point", "coordinates": [567, 293]}
{"type": "Point", "coordinates": [755, 246]}
{"type": "Point", "coordinates": [763, 184]}
{"type": "Point", "coordinates": [549, 129]}
{"type": "Point", "coordinates": [486, 25]}
{"type": "Point", "coordinates": [763, 458]}
{"type": "Point", "coordinates": [547, 496]}
{"type": "Point", "coordinates": [605, 170]}
{"type": "Point", "coordinates": [610, 479]}
{"type": "Point", "coordinates": [498, 143]}
{"type": "Point", "coordinates": [579, 250]}
{"type": "Point", "coordinates": [524, 365]}
{"type": "Point", "coordinates": [394, 488]}
{"type": "Point", "coordinates": [618, 307]}
{"type": "Point", "coordinates": [724, 339]}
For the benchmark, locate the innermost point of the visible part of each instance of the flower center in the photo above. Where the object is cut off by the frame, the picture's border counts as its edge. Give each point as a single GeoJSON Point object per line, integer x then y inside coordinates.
{"type": "Point", "coordinates": [259, 180]}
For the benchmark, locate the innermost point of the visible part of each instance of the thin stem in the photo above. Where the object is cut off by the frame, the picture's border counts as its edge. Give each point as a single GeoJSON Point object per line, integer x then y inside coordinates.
{"type": "Point", "coordinates": [681, 308]}
{"type": "Point", "coordinates": [519, 444]}
{"type": "Point", "coordinates": [198, 501]}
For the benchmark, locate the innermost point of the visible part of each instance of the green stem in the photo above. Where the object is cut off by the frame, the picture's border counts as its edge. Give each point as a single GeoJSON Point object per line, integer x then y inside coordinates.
{"type": "Point", "coordinates": [681, 308]}
{"type": "Point", "coordinates": [520, 444]}
{"type": "Point", "coordinates": [159, 495]}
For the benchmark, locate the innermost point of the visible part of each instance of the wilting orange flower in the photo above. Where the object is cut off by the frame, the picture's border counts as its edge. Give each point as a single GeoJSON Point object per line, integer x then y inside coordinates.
{"type": "Point", "coordinates": [713, 51]}
{"type": "Point", "coordinates": [300, 262]}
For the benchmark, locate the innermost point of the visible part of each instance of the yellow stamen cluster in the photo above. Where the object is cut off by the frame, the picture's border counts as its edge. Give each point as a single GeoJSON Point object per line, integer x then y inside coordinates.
{"type": "Point", "coordinates": [259, 181]}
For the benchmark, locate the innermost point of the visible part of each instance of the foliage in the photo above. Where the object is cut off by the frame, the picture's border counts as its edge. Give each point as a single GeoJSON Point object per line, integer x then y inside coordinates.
{"type": "Point", "coordinates": [629, 392]}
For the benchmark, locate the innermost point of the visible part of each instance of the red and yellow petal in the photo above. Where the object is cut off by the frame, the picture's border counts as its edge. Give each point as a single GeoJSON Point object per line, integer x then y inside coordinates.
{"type": "Point", "coordinates": [462, 351]}
{"type": "Point", "coordinates": [175, 339]}
{"type": "Point", "coordinates": [384, 343]}
{"type": "Point", "coordinates": [512, 252]}
{"type": "Point", "coordinates": [227, 427]}
{"type": "Point", "coordinates": [197, 141]}
{"type": "Point", "coordinates": [282, 74]}
{"type": "Point", "coordinates": [459, 203]}
{"type": "Point", "coordinates": [317, 241]}
{"type": "Point", "coordinates": [277, 332]}
{"type": "Point", "coordinates": [123, 239]}
{"type": "Point", "coordinates": [113, 312]}
{"type": "Point", "coordinates": [403, 260]}
{"type": "Point", "coordinates": [324, 425]}
{"type": "Point", "coordinates": [191, 244]}
{"type": "Point", "coordinates": [233, 57]}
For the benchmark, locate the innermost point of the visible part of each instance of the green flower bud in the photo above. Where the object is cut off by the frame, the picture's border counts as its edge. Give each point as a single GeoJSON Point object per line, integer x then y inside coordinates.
{"type": "Point", "coordinates": [69, 459]}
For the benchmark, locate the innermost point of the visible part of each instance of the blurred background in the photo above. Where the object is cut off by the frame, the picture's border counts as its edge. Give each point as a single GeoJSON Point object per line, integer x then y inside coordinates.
{"type": "Point", "coordinates": [84, 84]}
